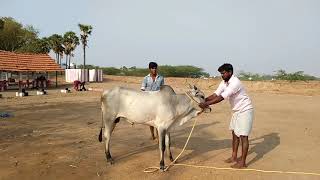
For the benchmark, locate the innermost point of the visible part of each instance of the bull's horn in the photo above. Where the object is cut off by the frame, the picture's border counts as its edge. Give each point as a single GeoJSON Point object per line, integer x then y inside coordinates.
{"type": "Point", "coordinates": [195, 87]}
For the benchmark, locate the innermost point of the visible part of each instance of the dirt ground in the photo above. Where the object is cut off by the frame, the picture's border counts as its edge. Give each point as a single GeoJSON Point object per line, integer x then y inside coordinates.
{"type": "Point", "coordinates": [55, 136]}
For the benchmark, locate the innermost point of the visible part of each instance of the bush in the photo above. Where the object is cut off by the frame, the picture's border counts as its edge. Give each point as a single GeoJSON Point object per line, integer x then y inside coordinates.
{"type": "Point", "coordinates": [280, 75]}
{"type": "Point", "coordinates": [167, 71]}
{"type": "Point", "coordinates": [296, 76]}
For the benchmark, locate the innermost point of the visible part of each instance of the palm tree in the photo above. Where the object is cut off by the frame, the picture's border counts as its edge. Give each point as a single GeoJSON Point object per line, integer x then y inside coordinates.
{"type": "Point", "coordinates": [43, 45]}
{"type": "Point", "coordinates": [85, 32]}
{"type": "Point", "coordinates": [55, 42]}
{"type": "Point", "coordinates": [70, 42]}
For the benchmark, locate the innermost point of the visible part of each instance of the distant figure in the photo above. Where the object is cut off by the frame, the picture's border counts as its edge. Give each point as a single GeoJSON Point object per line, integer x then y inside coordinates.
{"type": "Point", "coordinates": [39, 82]}
{"type": "Point", "coordinates": [152, 82]}
{"type": "Point", "coordinates": [79, 86]}
{"type": "Point", "coordinates": [42, 80]}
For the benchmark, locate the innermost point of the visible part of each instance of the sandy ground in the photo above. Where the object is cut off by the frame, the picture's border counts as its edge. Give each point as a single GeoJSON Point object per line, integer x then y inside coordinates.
{"type": "Point", "coordinates": [55, 136]}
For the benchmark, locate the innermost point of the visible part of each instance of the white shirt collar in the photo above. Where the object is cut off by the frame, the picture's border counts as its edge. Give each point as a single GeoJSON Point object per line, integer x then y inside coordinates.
{"type": "Point", "coordinates": [156, 75]}
{"type": "Point", "coordinates": [228, 82]}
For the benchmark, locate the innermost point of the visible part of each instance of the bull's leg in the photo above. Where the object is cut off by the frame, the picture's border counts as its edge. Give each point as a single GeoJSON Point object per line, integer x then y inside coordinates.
{"type": "Point", "coordinates": [152, 133]}
{"type": "Point", "coordinates": [109, 126]}
{"type": "Point", "coordinates": [162, 146]}
{"type": "Point", "coordinates": [157, 137]}
{"type": "Point", "coordinates": [168, 144]}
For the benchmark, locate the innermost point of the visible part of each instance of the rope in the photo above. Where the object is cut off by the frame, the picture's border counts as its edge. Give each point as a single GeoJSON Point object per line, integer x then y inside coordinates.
{"type": "Point", "coordinates": [154, 169]}
{"type": "Point", "coordinates": [191, 97]}
{"type": "Point", "coordinates": [256, 170]}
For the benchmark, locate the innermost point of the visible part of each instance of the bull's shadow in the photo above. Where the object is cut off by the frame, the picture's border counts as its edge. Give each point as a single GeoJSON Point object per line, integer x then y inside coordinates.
{"type": "Point", "coordinates": [178, 138]}
{"type": "Point", "coordinates": [200, 142]}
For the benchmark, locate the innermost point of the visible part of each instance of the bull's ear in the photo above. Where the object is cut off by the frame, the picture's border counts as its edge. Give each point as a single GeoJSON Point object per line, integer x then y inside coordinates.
{"type": "Point", "coordinates": [195, 87]}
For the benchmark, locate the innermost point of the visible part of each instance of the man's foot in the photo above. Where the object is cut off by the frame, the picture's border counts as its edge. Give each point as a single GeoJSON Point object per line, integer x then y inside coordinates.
{"type": "Point", "coordinates": [231, 160]}
{"type": "Point", "coordinates": [239, 165]}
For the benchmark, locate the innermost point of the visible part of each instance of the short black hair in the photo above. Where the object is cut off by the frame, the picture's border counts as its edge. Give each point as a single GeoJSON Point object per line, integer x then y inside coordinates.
{"type": "Point", "coordinates": [225, 67]}
{"type": "Point", "coordinates": [153, 65]}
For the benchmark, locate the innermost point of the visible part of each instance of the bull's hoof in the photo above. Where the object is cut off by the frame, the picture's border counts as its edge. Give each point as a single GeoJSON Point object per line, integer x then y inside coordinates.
{"type": "Point", "coordinates": [110, 161]}
{"type": "Point", "coordinates": [109, 158]}
{"type": "Point", "coordinates": [171, 159]}
{"type": "Point", "coordinates": [162, 168]}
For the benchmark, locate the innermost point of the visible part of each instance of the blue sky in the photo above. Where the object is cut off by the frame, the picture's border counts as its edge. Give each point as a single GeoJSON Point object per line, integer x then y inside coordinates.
{"type": "Point", "coordinates": [258, 36]}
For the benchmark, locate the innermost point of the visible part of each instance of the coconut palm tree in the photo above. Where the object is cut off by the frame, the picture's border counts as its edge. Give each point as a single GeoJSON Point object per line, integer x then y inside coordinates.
{"type": "Point", "coordinates": [55, 42]}
{"type": "Point", "coordinates": [60, 53]}
{"type": "Point", "coordinates": [85, 32]}
{"type": "Point", "coordinates": [70, 42]}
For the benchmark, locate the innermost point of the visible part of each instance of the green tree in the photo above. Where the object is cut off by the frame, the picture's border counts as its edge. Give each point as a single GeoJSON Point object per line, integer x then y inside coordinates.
{"type": "Point", "coordinates": [70, 42]}
{"type": "Point", "coordinates": [14, 36]}
{"type": "Point", "coordinates": [182, 71]}
{"type": "Point", "coordinates": [56, 45]}
{"type": "Point", "coordinates": [111, 71]}
{"type": "Point", "coordinates": [296, 76]}
{"type": "Point", "coordinates": [281, 74]}
{"type": "Point", "coordinates": [167, 71]}
{"type": "Point", "coordinates": [38, 46]}
{"type": "Point", "coordinates": [85, 32]}
{"type": "Point", "coordinates": [89, 66]}
{"type": "Point", "coordinates": [1, 24]}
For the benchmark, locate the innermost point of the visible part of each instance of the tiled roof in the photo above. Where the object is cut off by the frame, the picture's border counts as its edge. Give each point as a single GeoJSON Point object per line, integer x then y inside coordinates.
{"type": "Point", "coordinates": [10, 61]}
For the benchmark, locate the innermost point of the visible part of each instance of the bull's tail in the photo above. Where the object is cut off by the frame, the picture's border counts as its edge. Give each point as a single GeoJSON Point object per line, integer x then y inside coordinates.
{"type": "Point", "coordinates": [100, 134]}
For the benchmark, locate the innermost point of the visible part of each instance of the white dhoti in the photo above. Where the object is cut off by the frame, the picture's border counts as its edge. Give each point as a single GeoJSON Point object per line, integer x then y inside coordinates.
{"type": "Point", "coordinates": [241, 122]}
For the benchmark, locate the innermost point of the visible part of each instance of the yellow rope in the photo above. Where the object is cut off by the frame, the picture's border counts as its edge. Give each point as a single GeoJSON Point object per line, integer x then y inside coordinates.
{"type": "Point", "coordinates": [154, 169]}
{"type": "Point", "coordinates": [172, 163]}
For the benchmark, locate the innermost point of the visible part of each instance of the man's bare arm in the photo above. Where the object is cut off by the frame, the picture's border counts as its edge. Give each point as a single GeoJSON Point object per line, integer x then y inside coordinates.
{"type": "Point", "coordinates": [211, 97]}
{"type": "Point", "coordinates": [214, 99]}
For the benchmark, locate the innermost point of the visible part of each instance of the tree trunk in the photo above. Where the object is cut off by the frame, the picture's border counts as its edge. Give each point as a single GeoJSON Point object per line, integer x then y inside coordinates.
{"type": "Point", "coordinates": [66, 61]}
{"type": "Point", "coordinates": [60, 63]}
{"type": "Point", "coordinates": [69, 62]}
{"type": "Point", "coordinates": [84, 57]}
{"type": "Point", "coordinates": [58, 58]}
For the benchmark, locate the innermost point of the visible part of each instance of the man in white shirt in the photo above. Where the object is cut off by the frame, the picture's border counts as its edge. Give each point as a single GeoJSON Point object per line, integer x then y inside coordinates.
{"type": "Point", "coordinates": [241, 121]}
{"type": "Point", "coordinates": [152, 82]}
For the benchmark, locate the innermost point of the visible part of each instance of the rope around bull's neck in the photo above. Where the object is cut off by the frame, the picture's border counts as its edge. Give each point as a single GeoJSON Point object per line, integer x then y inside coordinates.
{"type": "Point", "coordinates": [190, 97]}
{"type": "Point", "coordinates": [154, 169]}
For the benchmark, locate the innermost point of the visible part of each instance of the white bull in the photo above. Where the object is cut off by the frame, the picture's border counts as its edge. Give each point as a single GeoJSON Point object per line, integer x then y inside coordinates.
{"type": "Point", "coordinates": [162, 109]}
